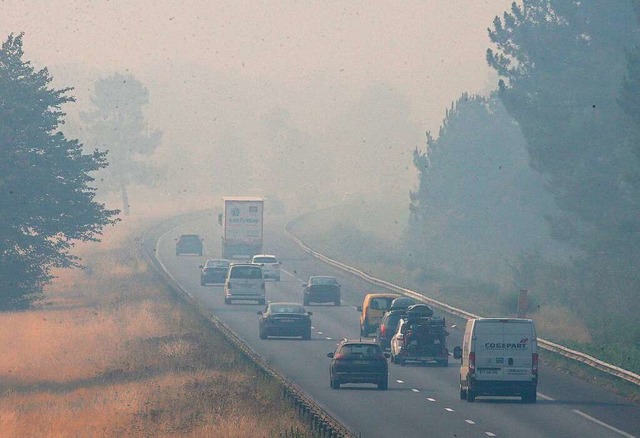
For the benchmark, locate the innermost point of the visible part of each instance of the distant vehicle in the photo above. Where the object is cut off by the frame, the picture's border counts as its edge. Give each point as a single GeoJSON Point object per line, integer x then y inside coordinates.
{"type": "Point", "coordinates": [387, 327]}
{"type": "Point", "coordinates": [214, 271]}
{"type": "Point", "coordinates": [242, 226]}
{"type": "Point", "coordinates": [373, 308]}
{"type": "Point", "coordinates": [270, 265]}
{"type": "Point", "coordinates": [244, 282]}
{"type": "Point", "coordinates": [499, 357]}
{"type": "Point", "coordinates": [321, 289]}
{"type": "Point", "coordinates": [189, 244]}
{"type": "Point", "coordinates": [285, 319]}
{"type": "Point", "coordinates": [358, 362]}
{"type": "Point", "coordinates": [420, 339]}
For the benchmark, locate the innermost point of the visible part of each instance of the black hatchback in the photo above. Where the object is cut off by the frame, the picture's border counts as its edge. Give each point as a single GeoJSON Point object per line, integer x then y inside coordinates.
{"type": "Point", "coordinates": [387, 328]}
{"type": "Point", "coordinates": [214, 271]}
{"type": "Point", "coordinates": [358, 362]}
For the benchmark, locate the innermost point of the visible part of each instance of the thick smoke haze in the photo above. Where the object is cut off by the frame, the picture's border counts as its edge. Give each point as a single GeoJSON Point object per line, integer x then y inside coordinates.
{"type": "Point", "coordinates": [315, 97]}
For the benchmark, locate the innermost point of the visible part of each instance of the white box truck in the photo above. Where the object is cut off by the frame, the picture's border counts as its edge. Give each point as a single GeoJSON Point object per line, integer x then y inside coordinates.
{"type": "Point", "coordinates": [242, 226]}
{"type": "Point", "coordinates": [499, 357]}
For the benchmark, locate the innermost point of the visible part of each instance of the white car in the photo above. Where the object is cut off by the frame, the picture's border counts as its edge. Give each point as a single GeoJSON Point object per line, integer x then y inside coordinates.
{"type": "Point", "coordinates": [270, 265]}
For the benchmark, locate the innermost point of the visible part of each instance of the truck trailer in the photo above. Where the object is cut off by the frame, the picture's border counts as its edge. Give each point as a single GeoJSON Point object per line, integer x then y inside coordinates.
{"type": "Point", "coordinates": [242, 227]}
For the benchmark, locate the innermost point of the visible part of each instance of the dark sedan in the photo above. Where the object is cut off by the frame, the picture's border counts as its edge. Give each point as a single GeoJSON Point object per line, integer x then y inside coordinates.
{"type": "Point", "coordinates": [322, 289]}
{"type": "Point", "coordinates": [358, 362]}
{"type": "Point", "coordinates": [284, 319]}
{"type": "Point", "coordinates": [189, 244]}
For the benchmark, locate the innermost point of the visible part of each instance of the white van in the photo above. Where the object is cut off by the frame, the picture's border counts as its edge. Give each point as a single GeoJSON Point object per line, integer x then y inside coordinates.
{"type": "Point", "coordinates": [244, 282]}
{"type": "Point", "coordinates": [499, 357]}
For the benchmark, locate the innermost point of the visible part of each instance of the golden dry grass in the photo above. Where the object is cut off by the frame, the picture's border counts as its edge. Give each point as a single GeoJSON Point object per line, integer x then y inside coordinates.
{"type": "Point", "coordinates": [111, 354]}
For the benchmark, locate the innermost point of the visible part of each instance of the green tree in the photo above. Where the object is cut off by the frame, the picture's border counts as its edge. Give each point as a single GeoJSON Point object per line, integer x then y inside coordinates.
{"type": "Point", "coordinates": [118, 125]}
{"type": "Point", "coordinates": [45, 187]}
{"type": "Point", "coordinates": [562, 65]}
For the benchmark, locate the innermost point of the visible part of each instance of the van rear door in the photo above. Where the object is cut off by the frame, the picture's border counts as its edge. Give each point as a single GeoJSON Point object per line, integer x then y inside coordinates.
{"type": "Point", "coordinates": [504, 349]}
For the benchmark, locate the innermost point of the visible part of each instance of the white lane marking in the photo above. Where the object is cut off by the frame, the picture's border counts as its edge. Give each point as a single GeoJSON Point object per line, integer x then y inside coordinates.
{"type": "Point", "coordinates": [490, 433]}
{"type": "Point", "coordinates": [415, 390]}
{"type": "Point", "coordinates": [288, 273]}
{"type": "Point", "coordinates": [328, 339]}
{"type": "Point", "coordinates": [546, 397]}
{"type": "Point", "coordinates": [431, 399]}
{"type": "Point", "coordinates": [448, 409]}
{"type": "Point", "coordinates": [470, 421]}
{"type": "Point", "coordinates": [320, 333]}
{"type": "Point", "coordinates": [603, 424]}
{"type": "Point", "coordinates": [313, 328]}
{"type": "Point", "coordinates": [399, 381]}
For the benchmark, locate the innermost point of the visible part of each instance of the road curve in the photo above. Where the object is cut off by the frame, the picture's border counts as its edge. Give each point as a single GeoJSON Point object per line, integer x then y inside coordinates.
{"type": "Point", "coordinates": [421, 401]}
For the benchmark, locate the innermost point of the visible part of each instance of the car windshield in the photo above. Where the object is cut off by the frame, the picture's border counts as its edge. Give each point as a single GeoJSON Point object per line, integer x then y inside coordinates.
{"type": "Point", "coordinates": [323, 281]}
{"type": "Point", "coordinates": [381, 303]}
{"type": "Point", "coordinates": [265, 260]}
{"type": "Point", "coordinates": [252, 272]}
{"type": "Point", "coordinates": [286, 308]}
{"type": "Point", "coordinates": [189, 238]}
{"type": "Point", "coordinates": [360, 349]}
{"type": "Point", "coordinates": [215, 263]}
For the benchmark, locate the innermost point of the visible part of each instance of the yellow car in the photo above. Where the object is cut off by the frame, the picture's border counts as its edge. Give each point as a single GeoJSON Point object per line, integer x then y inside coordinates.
{"type": "Point", "coordinates": [373, 308]}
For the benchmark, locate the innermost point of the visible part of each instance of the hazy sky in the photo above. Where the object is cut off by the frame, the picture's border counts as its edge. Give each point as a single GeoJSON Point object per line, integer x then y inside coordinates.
{"type": "Point", "coordinates": [432, 49]}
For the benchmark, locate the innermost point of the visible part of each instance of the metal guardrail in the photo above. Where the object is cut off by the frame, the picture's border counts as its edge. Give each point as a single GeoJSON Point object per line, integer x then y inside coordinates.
{"type": "Point", "coordinates": [322, 423]}
{"type": "Point", "coordinates": [548, 345]}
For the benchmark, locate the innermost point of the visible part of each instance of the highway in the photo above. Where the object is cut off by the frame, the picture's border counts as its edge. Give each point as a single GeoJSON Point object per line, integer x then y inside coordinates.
{"type": "Point", "coordinates": [421, 400]}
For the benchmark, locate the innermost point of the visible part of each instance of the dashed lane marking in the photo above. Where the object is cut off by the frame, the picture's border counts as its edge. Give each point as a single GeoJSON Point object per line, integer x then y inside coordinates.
{"type": "Point", "coordinates": [603, 424]}
{"type": "Point", "coordinates": [415, 390]}
{"type": "Point", "coordinates": [431, 399]}
{"type": "Point", "coordinates": [490, 433]}
{"type": "Point", "coordinates": [448, 409]}
{"type": "Point", "coordinates": [470, 421]}
{"type": "Point", "coordinates": [399, 381]}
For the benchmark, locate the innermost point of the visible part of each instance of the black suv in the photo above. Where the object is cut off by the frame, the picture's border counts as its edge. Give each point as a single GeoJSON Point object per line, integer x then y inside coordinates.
{"type": "Point", "coordinates": [214, 271]}
{"type": "Point", "coordinates": [358, 362]}
{"type": "Point", "coordinates": [189, 244]}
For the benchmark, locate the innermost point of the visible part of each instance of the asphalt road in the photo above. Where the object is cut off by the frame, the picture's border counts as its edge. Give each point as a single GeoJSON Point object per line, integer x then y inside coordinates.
{"type": "Point", "coordinates": [421, 400]}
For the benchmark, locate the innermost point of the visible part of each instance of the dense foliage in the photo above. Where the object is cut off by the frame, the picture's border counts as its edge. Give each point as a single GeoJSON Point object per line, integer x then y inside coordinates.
{"type": "Point", "coordinates": [478, 204]}
{"type": "Point", "coordinates": [118, 124]}
{"type": "Point", "coordinates": [45, 192]}
{"type": "Point", "coordinates": [569, 77]}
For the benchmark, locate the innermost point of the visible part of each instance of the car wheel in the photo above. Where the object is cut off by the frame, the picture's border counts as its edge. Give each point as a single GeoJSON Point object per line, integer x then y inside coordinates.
{"type": "Point", "coordinates": [383, 384]}
{"type": "Point", "coordinates": [444, 363]}
{"type": "Point", "coordinates": [463, 393]}
{"type": "Point", "coordinates": [529, 397]}
{"type": "Point", "coordinates": [227, 300]}
{"type": "Point", "coordinates": [307, 335]}
{"type": "Point", "coordinates": [336, 303]}
{"type": "Point", "coordinates": [305, 302]}
{"type": "Point", "coordinates": [471, 395]}
{"type": "Point", "coordinates": [334, 384]}
{"type": "Point", "coordinates": [400, 361]}
{"type": "Point", "coordinates": [263, 334]}
{"type": "Point", "coordinates": [392, 359]}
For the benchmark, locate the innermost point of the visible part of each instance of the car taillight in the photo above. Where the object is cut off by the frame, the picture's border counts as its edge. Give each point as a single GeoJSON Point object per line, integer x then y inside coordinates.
{"type": "Point", "coordinates": [338, 356]}
{"type": "Point", "coordinates": [383, 330]}
{"type": "Point", "coordinates": [472, 362]}
{"type": "Point", "coordinates": [534, 364]}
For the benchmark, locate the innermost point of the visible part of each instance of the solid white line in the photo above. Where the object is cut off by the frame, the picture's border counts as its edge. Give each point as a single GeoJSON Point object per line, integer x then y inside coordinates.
{"type": "Point", "coordinates": [589, 417]}
{"type": "Point", "coordinates": [470, 421]}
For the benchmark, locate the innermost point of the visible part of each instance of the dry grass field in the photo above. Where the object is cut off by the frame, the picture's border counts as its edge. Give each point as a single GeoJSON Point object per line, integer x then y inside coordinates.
{"type": "Point", "coordinates": [110, 353]}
